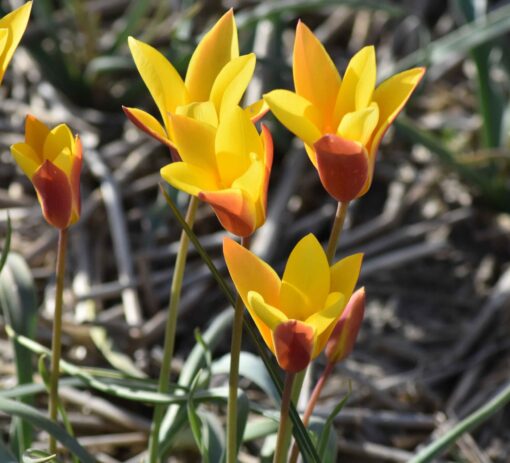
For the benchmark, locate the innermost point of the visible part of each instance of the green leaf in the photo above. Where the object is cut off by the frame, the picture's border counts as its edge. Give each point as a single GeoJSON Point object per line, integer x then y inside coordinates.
{"type": "Point", "coordinates": [194, 420]}
{"type": "Point", "coordinates": [37, 419]}
{"type": "Point", "coordinates": [19, 308]}
{"type": "Point", "coordinates": [299, 430]}
{"type": "Point", "coordinates": [7, 244]}
{"type": "Point", "coordinates": [38, 456]}
{"type": "Point", "coordinates": [5, 454]}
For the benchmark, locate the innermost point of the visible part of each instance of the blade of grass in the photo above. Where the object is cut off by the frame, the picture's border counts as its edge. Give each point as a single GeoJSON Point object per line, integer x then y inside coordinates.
{"type": "Point", "coordinates": [300, 433]}
{"type": "Point", "coordinates": [7, 244]}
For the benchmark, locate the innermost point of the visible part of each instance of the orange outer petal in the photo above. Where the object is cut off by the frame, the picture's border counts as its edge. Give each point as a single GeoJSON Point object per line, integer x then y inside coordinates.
{"type": "Point", "coordinates": [267, 141]}
{"type": "Point", "coordinates": [235, 213]}
{"type": "Point", "coordinates": [341, 341]}
{"type": "Point", "coordinates": [54, 193]}
{"type": "Point", "coordinates": [342, 166]}
{"type": "Point", "coordinates": [131, 115]}
{"type": "Point", "coordinates": [293, 342]}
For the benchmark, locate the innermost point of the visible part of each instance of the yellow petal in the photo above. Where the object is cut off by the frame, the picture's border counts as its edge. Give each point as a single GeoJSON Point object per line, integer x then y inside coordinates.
{"type": "Point", "coordinates": [391, 96]}
{"type": "Point", "coordinates": [270, 315]}
{"type": "Point", "coordinates": [36, 133]}
{"type": "Point", "coordinates": [358, 84]}
{"type": "Point", "coordinates": [4, 38]}
{"type": "Point", "coordinates": [324, 320]}
{"type": "Point", "coordinates": [345, 273]}
{"type": "Point", "coordinates": [162, 80]}
{"type": "Point", "coordinates": [359, 125]}
{"type": "Point", "coordinates": [237, 144]}
{"type": "Point", "coordinates": [296, 113]}
{"type": "Point", "coordinates": [16, 23]}
{"type": "Point", "coordinates": [58, 148]}
{"type": "Point", "coordinates": [256, 110]}
{"type": "Point", "coordinates": [149, 124]}
{"type": "Point", "coordinates": [203, 112]}
{"type": "Point", "coordinates": [214, 51]}
{"type": "Point", "coordinates": [188, 178]}
{"type": "Point", "coordinates": [307, 269]}
{"type": "Point", "coordinates": [250, 273]}
{"type": "Point", "coordinates": [315, 75]}
{"type": "Point", "coordinates": [195, 142]}
{"type": "Point", "coordinates": [231, 83]}
{"type": "Point", "coordinates": [26, 158]}
{"type": "Point", "coordinates": [293, 302]}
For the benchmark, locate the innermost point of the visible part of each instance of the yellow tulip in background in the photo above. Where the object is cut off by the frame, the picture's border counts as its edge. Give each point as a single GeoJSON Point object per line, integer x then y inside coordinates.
{"type": "Point", "coordinates": [226, 164]}
{"type": "Point", "coordinates": [52, 160]}
{"type": "Point", "coordinates": [12, 27]}
{"type": "Point", "coordinates": [341, 122]}
{"type": "Point", "coordinates": [296, 314]}
{"type": "Point", "coordinates": [216, 80]}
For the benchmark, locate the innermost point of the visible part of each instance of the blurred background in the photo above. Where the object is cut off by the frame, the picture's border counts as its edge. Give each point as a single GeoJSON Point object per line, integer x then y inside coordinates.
{"type": "Point", "coordinates": [435, 226]}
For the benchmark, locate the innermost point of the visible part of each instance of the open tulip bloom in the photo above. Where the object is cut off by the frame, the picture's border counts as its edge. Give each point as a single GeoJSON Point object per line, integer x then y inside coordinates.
{"type": "Point", "coordinates": [296, 314]}
{"type": "Point", "coordinates": [226, 164]}
{"type": "Point", "coordinates": [52, 160]}
{"type": "Point", "coordinates": [341, 122]}
{"type": "Point", "coordinates": [216, 80]}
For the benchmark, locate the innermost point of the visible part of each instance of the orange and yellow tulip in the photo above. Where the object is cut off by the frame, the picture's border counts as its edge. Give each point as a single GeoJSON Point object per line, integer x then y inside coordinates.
{"type": "Point", "coordinates": [52, 160]}
{"type": "Point", "coordinates": [341, 122]}
{"type": "Point", "coordinates": [296, 314]}
{"type": "Point", "coordinates": [226, 164]}
{"type": "Point", "coordinates": [216, 80]}
{"type": "Point", "coordinates": [12, 27]}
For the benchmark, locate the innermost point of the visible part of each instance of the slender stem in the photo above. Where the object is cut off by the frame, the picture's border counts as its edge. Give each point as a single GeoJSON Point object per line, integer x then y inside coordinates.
{"type": "Point", "coordinates": [280, 453]}
{"type": "Point", "coordinates": [56, 347]}
{"type": "Point", "coordinates": [235, 352]}
{"type": "Point", "coordinates": [336, 231]}
{"type": "Point", "coordinates": [311, 405]}
{"type": "Point", "coordinates": [170, 327]}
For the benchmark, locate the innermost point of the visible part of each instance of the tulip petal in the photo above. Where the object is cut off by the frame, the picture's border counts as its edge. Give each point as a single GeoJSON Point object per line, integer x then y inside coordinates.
{"type": "Point", "coordinates": [231, 83]}
{"type": "Point", "coordinates": [195, 140]}
{"type": "Point", "coordinates": [75, 180]}
{"type": "Point", "coordinates": [308, 270]}
{"type": "Point", "coordinates": [26, 158]}
{"type": "Point", "coordinates": [59, 147]}
{"type": "Point", "coordinates": [149, 124]}
{"type": "Point", "coordinates": [293, 345]}
{"type": "Point", "coordinates": [296, 113]}
{"type": "Point", "coordinates": [215, 50]}
{"type": "Point", "coordinates": [345, 273]}
{"type": "Point", "coordinates": [359, 125]}
{"type": "Point", "coordinates": [293, 302]}
{"type": "Point", "coordinates": [341, 342]}
{"type": "Point", "coordinates": [188, 178]}
{"type": "Point", "coordinates": [162, 80]}
{"type": "Point", "coordinates": [342, 166]}
{"type": "Point", "coordinates": [16, 23]}
{"type": "Point", "coordinates": [235, 211]}
{"type": "Point", "coordinates": [324, 320]}
{"type": "Point", "coordinates": [35, 133]}
{"type": "Point", "coordinates": [391, 96]}
{"type": "Point", "coordinates": [250, 273]}
{"type": "Point", "coordinates": [54, 193]}
{"type": "Point", "coordinates": [4, 37]}
{"type": "Point", "coordinates": [270, 315]}
{"type": "Point", "coordinates": [203, 112]}
{"type": "Point", "coordinates": [315, 75]}
{"type": "Point", "coordinates": [267, 141]}
{"type": "Point", "coordinates": [257, 110]}
{"type": "Point", "coordinates": [358, 84]}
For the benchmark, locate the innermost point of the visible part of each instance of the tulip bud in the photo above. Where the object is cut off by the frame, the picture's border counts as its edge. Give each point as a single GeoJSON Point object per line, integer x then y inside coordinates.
{"type": "Point", "coordinates": [341, 341]}
{"type": "Point", "coordinates": [293, 343]}
{"type": "Point", "coordinates": [52, 160]}
{"type": "Point", "coordinates": [342, 166]}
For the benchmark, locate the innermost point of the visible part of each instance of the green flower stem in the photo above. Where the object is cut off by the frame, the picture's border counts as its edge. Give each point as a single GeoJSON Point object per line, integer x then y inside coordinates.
{"type": "Point", "coordinates": [56, 347]}
{"type": "Point", "coordinates": [280, 453]}
{"type": "Point", "coordinates": [170, 327]}
{"type": "Point", "coordinates": [311, 405]}
{"type": "Point", "coordinates": [467, 424]}
{"type": "Point", "coordinates": [336, 231]}
{"type": "Point", "coordinates": [235, 352]}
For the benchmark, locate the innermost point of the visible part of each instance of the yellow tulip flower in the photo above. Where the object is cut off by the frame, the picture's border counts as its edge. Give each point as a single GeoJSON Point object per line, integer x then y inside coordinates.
{"type": "Point", "coordinates": [341, 122]}
{"type": "Point", "coordinates": [225, 163]}
{"type": "Point", "coordinates": [52, 160]}
{"type": "Point", "coordinates": [12, 27]}
{"type": "Point", "coordinates": [216, 80]}
{"type": "Point", "coordinates": [296, 314]}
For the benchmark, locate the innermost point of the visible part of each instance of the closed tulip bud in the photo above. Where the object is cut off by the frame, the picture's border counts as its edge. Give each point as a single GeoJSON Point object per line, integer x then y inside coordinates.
{"type": "Point", "coordinates": [341, 341]}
